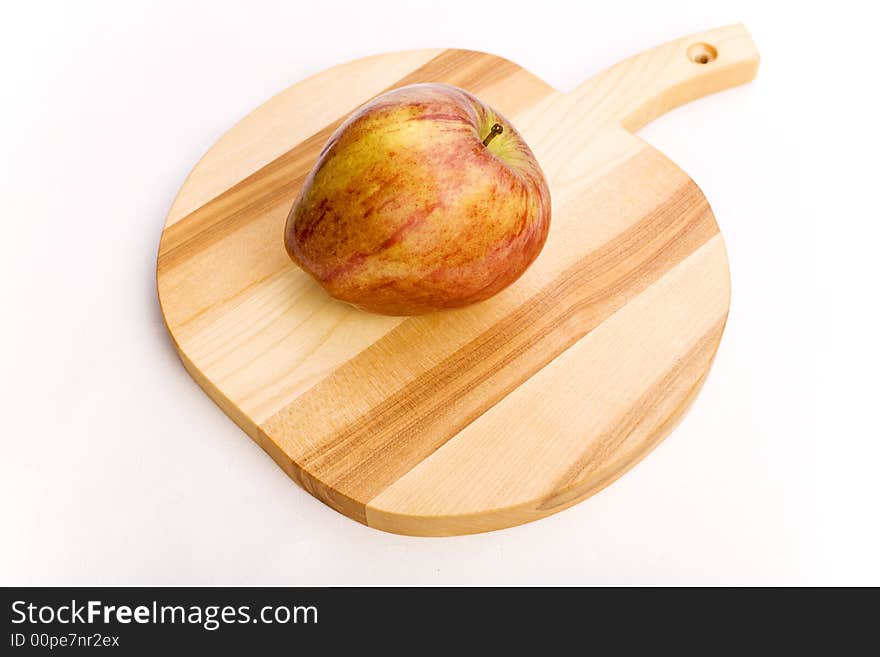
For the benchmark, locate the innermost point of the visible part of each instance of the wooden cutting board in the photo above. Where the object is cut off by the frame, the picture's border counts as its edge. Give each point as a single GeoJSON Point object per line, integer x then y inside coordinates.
{"type": "Point", "coordinates": [493, 415]}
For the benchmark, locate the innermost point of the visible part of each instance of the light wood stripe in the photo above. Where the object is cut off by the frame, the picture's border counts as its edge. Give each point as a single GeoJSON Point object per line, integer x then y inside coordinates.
{"type": "Point", "coordinates": [590, 471]}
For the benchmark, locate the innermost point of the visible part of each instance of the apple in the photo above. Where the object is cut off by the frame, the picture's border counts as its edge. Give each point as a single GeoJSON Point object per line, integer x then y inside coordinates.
{"type": "Point", "coordinates": [425, 198]}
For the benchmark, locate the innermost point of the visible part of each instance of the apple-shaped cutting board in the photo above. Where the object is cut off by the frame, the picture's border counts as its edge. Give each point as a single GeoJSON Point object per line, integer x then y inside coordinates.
{"type": "Point", "coordinates": [492, 415]}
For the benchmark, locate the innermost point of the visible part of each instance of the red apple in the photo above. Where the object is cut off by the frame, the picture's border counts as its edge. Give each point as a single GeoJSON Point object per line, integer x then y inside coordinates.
{"type": "Point", "coordinates": [424, 199]}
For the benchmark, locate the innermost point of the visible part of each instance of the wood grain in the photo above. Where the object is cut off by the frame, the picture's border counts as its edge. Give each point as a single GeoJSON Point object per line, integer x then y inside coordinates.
{"type": "Point", "coordinates": [487, 416]}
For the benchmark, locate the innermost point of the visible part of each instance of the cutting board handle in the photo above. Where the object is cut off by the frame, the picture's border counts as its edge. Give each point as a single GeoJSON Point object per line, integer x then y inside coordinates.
{"type": "Point", "coordinates": [641, 88]}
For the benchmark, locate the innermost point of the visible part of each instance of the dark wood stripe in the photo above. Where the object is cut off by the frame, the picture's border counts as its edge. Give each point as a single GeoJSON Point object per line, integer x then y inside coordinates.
{"type": "Point", "coordinates": [278, 182]}
{"type": "Point", "coordinates": [389, 439]}
{"type": "Point", "coordinates": [468, 69]}
{"type": "Point", "coordinates": [273, 185]}
{"type": "Point", "coordinates": [354, 509]}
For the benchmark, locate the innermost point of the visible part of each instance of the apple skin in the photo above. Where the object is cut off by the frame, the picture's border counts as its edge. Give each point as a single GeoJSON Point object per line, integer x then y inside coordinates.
{"type": "Point", "coordinates": [407, 211]}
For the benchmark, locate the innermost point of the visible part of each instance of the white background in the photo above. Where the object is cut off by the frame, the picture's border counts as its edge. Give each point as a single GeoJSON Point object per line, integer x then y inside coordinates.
{"type": "Point", "coordinates": [117, 469]}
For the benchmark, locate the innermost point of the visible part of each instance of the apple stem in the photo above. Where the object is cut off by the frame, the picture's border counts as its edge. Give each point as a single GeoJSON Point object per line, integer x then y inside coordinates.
{"type": "Point", "coordinates": [497, 129]}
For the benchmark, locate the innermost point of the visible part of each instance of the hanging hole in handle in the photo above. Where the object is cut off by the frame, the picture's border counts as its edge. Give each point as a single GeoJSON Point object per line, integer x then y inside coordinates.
{"type": "Point", "coordinates": [702, 53]}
